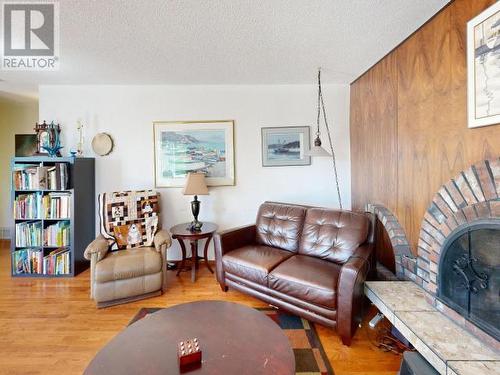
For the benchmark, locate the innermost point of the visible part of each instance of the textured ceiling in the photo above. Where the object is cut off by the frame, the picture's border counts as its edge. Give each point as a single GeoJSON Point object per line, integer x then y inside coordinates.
{"type": "Point", "coordinates": [224, 41]}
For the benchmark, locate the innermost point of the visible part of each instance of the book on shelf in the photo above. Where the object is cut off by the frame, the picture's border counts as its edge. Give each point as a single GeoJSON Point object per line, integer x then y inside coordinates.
{"type": "Point", "coordinates": [29, 177]}
{"type": "Point", "coordinates": [57, 234]}
{"type": "Point", "coordinates": [27, 261]}
{"type": "Point", "coordinates": [57, 262]}
{"type": "Point", "coordinates": [28, 206]}
{"type": "Point", "coordinates": [57, 176]}
{"type": "Point", "coordinates": [39, 177]}
{"type": "Point", "coordinates": [57, 205]}
{"type": "Point", "coordinates": [29, 234]}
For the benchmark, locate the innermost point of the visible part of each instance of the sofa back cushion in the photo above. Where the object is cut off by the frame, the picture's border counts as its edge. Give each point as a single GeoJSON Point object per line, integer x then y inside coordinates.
{"type": "Point", "coordinates": [280, 225]}
{"type": "Point", "coordinates": [332, 234]}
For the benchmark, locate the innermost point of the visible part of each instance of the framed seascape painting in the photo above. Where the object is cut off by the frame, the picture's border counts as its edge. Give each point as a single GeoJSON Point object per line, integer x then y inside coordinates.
{"type": "Point", "coordinates": [285, 146]}
{"type": "Point", "coordinates": [193, 146]}
{"type": "Point", "coordinates": [483, 68]}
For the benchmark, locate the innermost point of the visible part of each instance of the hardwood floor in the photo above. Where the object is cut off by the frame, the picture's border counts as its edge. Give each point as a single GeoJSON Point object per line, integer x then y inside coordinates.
{"type": "Point", "coordinates": [52, 327]}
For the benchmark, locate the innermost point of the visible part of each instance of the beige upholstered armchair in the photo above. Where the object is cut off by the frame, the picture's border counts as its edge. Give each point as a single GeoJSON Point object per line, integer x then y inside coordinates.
{"type": "Point", "coordinates": [128, 259]}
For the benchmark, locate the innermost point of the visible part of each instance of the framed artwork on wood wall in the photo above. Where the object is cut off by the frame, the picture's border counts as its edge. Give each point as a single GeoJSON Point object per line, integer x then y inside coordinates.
{"type": "Point", "coordinates": [285, 146]}
{"type": "Point", "coordinates": [181, 147]}
{"type": "Point", "coordinates": [483, 68]}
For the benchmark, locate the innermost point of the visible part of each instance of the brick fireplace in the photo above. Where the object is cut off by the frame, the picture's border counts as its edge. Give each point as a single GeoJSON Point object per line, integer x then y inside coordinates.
{"type": "Point", "coordinates": [461, 214]}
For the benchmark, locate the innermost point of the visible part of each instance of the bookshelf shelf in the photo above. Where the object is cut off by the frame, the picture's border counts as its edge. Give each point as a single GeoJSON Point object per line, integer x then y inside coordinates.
{"type": "Point", "coordinates": [62, 187]}
{"type": "Point", "coordinates": [43, 191]}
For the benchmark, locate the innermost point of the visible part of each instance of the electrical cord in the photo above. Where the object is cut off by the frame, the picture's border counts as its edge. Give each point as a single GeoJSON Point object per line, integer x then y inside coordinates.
{"type": "Point", "coordinates": [384, 339]}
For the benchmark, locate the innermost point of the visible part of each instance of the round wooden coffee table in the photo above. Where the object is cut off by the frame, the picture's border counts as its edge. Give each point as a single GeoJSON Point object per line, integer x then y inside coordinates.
{"type": "Point", "coordinates": [234, 339]}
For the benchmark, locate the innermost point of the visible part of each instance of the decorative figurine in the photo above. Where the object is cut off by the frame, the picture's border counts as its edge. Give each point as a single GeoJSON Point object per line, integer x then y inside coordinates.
{"type": "Point", "coordinates": [55, 147]}
{"type": "Point", "coordinates": [189, 353]}
{"type": "Point", "coordinates": [48, 139]}
{"type": "Point", "coordinates": [79, 146]}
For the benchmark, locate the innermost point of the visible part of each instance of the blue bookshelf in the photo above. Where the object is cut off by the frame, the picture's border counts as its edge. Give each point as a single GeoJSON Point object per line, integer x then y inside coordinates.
{"type": "Point", "coordinates": [80, 188]}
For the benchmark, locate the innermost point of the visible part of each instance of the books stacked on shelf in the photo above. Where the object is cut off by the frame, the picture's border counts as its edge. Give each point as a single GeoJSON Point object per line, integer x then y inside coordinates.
{"type": "Point", "coordinates": [57, 205]}
{"type": "Point", "coordinates": [57, 262]}
{"type": "Point", "coordinates": [28, 206]}
{"type": "Point", "coordinates": [29, 234]}
{"type": "Point", "coordinates": [27, 261]}
{"type": "Point", "coordinates": [39, 177]}
{"type": "Point", "coordinates": [57, 234]}
{"type": "Point", "coordinates": [57, 176]}
{"type": "Point", "coordinates": [29, 177]}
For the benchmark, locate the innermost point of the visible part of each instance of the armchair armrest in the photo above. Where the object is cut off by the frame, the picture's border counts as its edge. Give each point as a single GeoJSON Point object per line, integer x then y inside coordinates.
{"type": "Point", "coordinates": [227, 241]}
{"type": "Point", "coordinates": [350, 293]}
{"type": "Point", "coordinates": [162, 238]}
{"type": "Point", "coordinates": [99, 246]}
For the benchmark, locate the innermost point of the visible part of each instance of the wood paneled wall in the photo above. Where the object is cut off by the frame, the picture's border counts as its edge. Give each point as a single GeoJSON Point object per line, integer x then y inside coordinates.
{"type": "Point", "coordinates": [408, 118]}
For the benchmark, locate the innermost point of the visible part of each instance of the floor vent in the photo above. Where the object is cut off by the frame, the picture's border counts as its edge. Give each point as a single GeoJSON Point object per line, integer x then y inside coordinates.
{"type": "Point", "coordinates": [4, 233]}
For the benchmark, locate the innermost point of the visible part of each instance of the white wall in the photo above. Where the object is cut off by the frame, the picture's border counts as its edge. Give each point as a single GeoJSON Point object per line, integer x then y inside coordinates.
{"type": "Point", "coordinates": [127, 113]}
{"type": "Point", "coordinates": [18, 115]}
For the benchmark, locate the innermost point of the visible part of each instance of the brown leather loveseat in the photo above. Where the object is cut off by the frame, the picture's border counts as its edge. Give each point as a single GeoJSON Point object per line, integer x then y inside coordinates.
{"type": "Point", "coordinates": [310, 261]}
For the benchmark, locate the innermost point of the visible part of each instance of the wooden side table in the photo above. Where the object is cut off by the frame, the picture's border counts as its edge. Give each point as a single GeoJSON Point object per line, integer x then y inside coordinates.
{"type": "Point", "coordinates": [181, 232]}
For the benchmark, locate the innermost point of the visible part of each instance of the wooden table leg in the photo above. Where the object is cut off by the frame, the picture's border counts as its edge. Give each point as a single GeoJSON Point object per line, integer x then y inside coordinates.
{"type": "Point", "coordinates": [183, 262]}
{"type": "Point", "coordinates": [194, 257]}
{"type": "Point", "coordinates": [205, 254]}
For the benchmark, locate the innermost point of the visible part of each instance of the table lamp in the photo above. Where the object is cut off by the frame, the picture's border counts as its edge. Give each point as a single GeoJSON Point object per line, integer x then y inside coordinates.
{"type": "Point", "coordinates": [195, 185]}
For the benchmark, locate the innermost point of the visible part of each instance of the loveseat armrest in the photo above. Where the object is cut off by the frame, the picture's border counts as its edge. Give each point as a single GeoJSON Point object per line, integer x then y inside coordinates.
{"type": "Point", "coordinates": [99, 246]}
{"type": "Point", "coordinates": [235, 238]}
{"type": "Point", "coordinates": [227, 241]}
{"type": "Point", "coordinates": [162, 238]}
{"type": "Point", "coordinates": [350, 293]}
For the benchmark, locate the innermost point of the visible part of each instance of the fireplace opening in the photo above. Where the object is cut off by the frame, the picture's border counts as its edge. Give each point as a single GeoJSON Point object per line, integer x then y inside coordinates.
{"type": "Point", "coordinates": [469, 274]}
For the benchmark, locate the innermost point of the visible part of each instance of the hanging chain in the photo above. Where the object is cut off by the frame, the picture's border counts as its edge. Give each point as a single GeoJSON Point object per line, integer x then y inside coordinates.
{"type": "Point", "coordinates": [321, 105]}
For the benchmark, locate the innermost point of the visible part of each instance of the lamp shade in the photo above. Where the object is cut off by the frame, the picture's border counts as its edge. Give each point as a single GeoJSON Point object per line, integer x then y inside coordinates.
{"type": "Point", "coordinates": [195, 184]}
{"type": "Point", "coordinates": [317, 151]}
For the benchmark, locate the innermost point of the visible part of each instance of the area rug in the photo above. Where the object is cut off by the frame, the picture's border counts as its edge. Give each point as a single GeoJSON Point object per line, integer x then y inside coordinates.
{"type": "Point", "coordinates": [310, 357]}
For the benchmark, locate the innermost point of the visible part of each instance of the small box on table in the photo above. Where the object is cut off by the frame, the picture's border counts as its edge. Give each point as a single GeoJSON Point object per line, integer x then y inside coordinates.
{"type": "Point", "coordinates": [189, 352]}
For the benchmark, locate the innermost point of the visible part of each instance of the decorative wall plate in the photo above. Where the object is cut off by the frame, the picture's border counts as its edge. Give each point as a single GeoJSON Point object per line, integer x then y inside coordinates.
{"type": "Point", "coordinates": [102, 144]}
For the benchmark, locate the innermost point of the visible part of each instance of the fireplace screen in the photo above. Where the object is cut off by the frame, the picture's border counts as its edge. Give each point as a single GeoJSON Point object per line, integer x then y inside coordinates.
{"type": "Point", "coordinates": [469, 275]}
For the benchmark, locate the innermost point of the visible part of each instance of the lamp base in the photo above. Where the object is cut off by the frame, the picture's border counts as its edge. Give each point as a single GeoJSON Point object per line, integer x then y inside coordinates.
{"type": "Point", "coordinates": [195, 226]}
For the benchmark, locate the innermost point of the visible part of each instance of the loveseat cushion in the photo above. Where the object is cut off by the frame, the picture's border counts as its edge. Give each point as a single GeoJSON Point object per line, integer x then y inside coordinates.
{"type": "Point", "coordinates": [333, 235]}
{"type": "Point", "coordinates": [127, 264]}
{"type": "Point", "coordinates": [307, 278]}
{"type": "Point", "coordinates": [254, 262]}
{"type": "Point", "coordinates": [280, 225]}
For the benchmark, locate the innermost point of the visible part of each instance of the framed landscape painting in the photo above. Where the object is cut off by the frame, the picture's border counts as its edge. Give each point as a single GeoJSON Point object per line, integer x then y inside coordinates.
{"type": "Point", "coordinates": [193, 146]}
{"type": "Point", "coordinates": [483, 68]}
{"type": "Point", "coordinates": [285, 146]}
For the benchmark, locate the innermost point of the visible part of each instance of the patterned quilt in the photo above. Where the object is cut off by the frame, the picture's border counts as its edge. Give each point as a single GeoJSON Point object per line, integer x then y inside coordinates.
{"type": "Point", "coordinates": [129, 218]}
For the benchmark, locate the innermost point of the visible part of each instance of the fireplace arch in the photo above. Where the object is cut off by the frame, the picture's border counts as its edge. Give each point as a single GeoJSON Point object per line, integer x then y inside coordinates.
{"type": "Point", "coordinates": [469, 274]}
{"type": "Point", "coordinates": [471, 197]}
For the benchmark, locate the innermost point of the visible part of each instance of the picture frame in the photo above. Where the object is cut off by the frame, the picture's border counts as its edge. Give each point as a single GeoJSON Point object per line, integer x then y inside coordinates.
{"type": "Point", "coordinates": [25, 145]}
{"type": "Point", "coordinates": [181, 147]}
{"type": "Point", "coordinates": [483, 68]}
{"type": "Point", "coordinates": [285, 146]}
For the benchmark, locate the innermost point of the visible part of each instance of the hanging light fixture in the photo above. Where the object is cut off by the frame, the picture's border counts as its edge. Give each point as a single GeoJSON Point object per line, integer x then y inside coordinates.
{"type": "Point", "coordinates": [317, 150]}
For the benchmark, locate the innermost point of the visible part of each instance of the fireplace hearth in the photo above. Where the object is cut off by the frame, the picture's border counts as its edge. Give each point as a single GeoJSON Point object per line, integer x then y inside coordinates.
{"type": "Point", "coordinates": [469, 274]}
